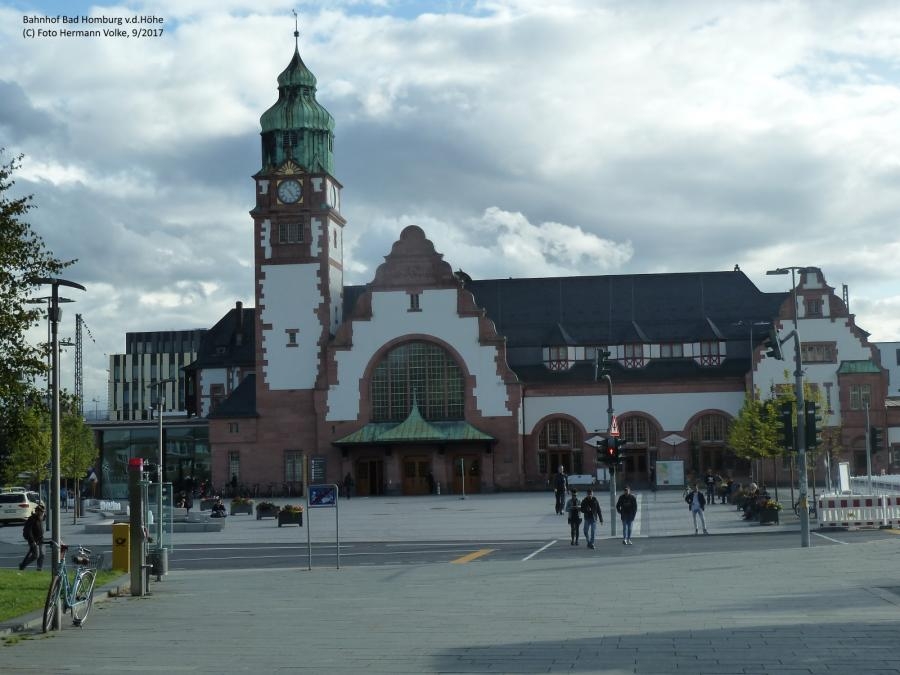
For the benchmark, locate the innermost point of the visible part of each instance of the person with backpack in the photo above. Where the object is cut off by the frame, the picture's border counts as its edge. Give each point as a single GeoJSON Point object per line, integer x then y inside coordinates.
{"type": "Point", "coordinates": [33, 532]}
{"type": "Point", "coordinates": [573, 508]}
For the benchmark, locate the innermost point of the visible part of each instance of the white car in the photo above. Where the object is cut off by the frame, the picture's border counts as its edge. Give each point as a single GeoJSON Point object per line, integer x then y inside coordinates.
{"type": "Point", "coordinates": [17, 506]}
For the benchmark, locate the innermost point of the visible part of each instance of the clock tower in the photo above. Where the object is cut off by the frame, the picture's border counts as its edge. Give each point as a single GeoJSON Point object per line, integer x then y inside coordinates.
{"type": "Point", "coordinates": [298, 237]}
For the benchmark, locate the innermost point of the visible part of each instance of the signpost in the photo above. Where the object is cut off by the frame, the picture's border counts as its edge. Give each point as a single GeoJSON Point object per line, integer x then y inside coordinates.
{"type": "Point", "coordinates": [322, 497]}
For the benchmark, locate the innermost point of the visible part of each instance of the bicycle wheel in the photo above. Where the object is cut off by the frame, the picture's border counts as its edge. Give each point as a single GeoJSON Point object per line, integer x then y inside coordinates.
{"type": "Point", "coordinates": [83, 596]}
{"type": "Point", "coordinates": [51, 606]}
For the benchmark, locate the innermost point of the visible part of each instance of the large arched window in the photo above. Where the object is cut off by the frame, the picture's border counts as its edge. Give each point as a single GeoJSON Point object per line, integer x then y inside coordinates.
{"type": "Point", "coordinates": [710, 429]}
{"type": "Point", "coordinates": [638, 430]}
{"type": "Point", "coordinates": [422, 371]}
{"type": "Point", "coordinates": [559, 444]}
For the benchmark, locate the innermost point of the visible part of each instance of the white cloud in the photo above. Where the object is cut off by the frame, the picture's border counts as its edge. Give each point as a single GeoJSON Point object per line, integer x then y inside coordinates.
{"type": "Point", "coordinates": [527, 138]}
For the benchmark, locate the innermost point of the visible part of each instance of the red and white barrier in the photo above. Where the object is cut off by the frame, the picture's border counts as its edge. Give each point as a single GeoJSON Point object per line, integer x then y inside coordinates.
{"type": "Point", "coordinates": [858, 511]}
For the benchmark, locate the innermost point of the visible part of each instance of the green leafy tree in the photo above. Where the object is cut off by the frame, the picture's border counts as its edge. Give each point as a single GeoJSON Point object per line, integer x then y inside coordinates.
{"type": "Point", "coordinates": [23, 257]}
{"type": "Point", "coordinates": [77, 449]}
{"type": "Point", "coordinates": [30, 448]}
{"type": "Point", "coordinates": [754, 433]}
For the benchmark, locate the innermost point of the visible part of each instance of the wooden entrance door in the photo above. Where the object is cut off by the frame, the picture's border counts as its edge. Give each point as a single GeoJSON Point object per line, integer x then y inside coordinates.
{"type": "Point", "coordinates": [560, 458]}
{"type": "Point", "coordinates": [468, 468]}
{"type": "Point", "coordinates": [415, 475]}
{"type": "Point", "coordinates": [369, 477]}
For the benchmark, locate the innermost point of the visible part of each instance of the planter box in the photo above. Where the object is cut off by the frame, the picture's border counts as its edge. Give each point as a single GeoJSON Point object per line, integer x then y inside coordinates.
{"type": "Point", "coordinates": [768, 516]}
{"type": "Point", "coordinates": [242, 508]}
{"type": "Point", "coordinates": [266, 513]}
{"type": "Point", "coordinates": [290, 518]}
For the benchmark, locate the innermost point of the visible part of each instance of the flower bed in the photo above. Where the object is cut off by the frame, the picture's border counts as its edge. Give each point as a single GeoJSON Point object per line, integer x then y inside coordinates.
{"type": "Point", "coordinates": [242, 505]}
{"type": "Point", "coordinates": [266, 510]}
{"type": "Point", "coordinates": [290, 514]}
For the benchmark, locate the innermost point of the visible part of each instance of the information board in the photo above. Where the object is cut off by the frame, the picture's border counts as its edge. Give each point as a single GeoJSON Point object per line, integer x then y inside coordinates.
{"type": "Point", "coordinates": [322, 496]}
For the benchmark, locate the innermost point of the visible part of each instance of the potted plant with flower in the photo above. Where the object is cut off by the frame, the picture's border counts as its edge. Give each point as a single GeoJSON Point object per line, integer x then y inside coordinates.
{"type": "Point", "coordinates": [266, 510]}
{"type": "Point", "coordinates": [241, 505]}
{"type": "Point", "coordinates": [769, 512]}
{"type": "Point", "coordinates": [290, 514]}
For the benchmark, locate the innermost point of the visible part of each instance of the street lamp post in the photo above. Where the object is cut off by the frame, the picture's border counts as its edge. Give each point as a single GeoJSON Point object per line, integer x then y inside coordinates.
{"type": "Point", "coordinates": [601, 373]}
{"type": "Point", "coordinates": [799, 422]}
{"type": "Point", "coordinates": [160, 405]}
{"type": "Point", "coordinates": [751, 324]}
{"type": "Point", "coordinates": [54, 317]}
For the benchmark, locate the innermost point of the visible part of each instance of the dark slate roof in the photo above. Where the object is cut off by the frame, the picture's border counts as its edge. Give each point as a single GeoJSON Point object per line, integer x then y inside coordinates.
{"type": "Point", "coordinates": [619, 309]}
{"type": "Point", "coordinates": [231, 342]}
{"type": "Point", "coordinates": [601, 310]}
{"type": "Point", "coordinates": [241, 403]}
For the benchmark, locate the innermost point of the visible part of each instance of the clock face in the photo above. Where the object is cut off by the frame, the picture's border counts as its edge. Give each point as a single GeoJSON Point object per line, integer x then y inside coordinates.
{"type": "Point", "coordinates": [289, 191]}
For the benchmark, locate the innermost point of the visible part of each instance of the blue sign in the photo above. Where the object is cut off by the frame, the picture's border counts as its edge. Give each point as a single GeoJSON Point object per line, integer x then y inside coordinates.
{"type": "Point", "coordinates": [322, 496]}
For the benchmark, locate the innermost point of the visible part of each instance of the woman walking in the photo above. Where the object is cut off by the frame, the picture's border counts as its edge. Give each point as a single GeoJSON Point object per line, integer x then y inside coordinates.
{"type": "Point", "coordinates": [573, 508]}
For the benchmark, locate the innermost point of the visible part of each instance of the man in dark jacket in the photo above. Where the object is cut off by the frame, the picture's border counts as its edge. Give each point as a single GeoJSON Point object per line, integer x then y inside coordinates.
{"type": "Point", "coordinates": [33, 531]}
{"type": "Point", "coordinates": [697, 503]}
{"type": "Point", "coordinates": [590, 507]}
{"type": "Point", "coordinates": [560, 485]}
{"type": "Point", "coordinates": [627, 508]}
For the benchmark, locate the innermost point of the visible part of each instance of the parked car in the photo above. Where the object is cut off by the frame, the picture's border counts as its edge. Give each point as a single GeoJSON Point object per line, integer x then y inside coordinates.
{"type": "Point", "coordinates": [17, 506]}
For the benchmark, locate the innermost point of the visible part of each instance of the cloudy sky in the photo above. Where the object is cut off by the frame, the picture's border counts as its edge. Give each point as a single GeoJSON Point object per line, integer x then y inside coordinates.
{"type": "Point", "coordinates": [528, 138]}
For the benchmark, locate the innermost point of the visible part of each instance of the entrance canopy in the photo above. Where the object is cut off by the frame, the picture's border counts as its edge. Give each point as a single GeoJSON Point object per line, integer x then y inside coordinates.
{"type": "Point", "coordinates": [414, 429]}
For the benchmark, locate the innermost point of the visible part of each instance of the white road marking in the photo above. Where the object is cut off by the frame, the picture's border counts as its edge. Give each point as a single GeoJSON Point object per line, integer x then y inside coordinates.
{"type": "Point", "coordinates": [542, 548]}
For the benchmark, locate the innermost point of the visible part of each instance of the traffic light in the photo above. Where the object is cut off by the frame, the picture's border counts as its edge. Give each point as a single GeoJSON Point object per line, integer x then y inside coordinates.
{"type": "Point", "coordinates": [620, 448]}
{"type": "Point", "coordinates": [812, 420]}
{"type": "Point", "coordinates": [875, 439]}
{"type": "Point", "coordinates": [773, 346]}
{"type": "Point", "coordinates": [786, 424]}
{"type": "Point", "coordinates": [601, 365]}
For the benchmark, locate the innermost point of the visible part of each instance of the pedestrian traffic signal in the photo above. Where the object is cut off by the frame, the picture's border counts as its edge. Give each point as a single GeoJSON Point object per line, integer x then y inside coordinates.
{"type": "Point", "coordinates": [620, 448]}
{"type": "Point", "coordinates": [773, 346]}
{"type": "Point", "coordinates": [875, 439]}
{"type": "Point", "coordinates": [813, 426]}
{"type": "Point", "coordinates": [786, 424]}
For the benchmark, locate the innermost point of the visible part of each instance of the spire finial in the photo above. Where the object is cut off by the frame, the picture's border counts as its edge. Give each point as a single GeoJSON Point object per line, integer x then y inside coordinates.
{"type": "Point", "coordinates": [296, 30]}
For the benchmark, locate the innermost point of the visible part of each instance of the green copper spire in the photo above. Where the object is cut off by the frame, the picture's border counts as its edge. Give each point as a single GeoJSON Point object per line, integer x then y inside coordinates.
{"type": "Point", "coordinates": [297, 127]}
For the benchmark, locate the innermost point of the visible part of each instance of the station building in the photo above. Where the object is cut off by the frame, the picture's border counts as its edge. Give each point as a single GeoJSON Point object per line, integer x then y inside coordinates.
{"type": "Point", "coordinates": [426, 377]}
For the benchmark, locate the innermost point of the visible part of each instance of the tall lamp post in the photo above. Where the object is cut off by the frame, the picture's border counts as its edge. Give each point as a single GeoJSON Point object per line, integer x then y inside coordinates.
{"type": "Point", "coordinates": [601, 372]}
{"type": "Point", "coordinates": [162, 560]}
{"type": "Point", "coordinates": [799, 422]}
{"type": "Point", "coordinates": [54, 316]}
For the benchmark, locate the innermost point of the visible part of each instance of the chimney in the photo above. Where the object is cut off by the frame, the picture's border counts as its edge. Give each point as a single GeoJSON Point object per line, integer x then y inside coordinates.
{"type": "Point", "coordinates": [239, 333]}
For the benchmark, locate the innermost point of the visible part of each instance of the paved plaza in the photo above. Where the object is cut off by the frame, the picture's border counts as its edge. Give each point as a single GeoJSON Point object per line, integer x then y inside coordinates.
{"type": "Point", "coordinates": [831, 608]}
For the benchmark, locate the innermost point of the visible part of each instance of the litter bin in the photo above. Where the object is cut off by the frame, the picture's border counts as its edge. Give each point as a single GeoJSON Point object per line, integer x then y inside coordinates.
{"type": "Point", "coordinates": [120, 550]}
{"type": "Point", "coordinates": [158, 559]}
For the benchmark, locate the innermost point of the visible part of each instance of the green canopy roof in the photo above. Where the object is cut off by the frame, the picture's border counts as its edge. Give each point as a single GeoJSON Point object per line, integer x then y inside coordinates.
{"type": "Point", "coordinates": [414, 429]}
{"type": "Point", "coordinates": [856, 367]}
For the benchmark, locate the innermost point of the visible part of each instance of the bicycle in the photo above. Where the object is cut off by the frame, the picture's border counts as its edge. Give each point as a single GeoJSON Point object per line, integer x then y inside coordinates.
{"type": "Point", "coordinates": [76, 593]}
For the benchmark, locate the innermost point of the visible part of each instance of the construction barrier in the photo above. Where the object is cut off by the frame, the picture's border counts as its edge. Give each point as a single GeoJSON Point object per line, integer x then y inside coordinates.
{"type": "Point", "coordinates": [852, 511]}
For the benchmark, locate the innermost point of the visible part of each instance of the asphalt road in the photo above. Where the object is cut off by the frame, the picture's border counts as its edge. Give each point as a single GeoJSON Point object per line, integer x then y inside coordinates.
{"type": "Point", "coordinates": [276, 555]}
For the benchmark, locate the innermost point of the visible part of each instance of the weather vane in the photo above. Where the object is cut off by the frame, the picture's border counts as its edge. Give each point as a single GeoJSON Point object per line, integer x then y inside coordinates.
{"type": "Point", "coordinates": [296, 29]}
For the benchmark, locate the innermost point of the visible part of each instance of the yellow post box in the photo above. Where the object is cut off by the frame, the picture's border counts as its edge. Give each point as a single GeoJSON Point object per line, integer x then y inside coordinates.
{"type": "Point", "coordinates": [120, 548]}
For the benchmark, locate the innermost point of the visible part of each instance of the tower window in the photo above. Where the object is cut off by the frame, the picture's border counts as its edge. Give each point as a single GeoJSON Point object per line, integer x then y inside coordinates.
{"type": "Point", "coordinates": [291, 336]}
{"type": "Point", "coordinates": [290, 233]}
{"type": "Point", "coordinates": [414, 302]}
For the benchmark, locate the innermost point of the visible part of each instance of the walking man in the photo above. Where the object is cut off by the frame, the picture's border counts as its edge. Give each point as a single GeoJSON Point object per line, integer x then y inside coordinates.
{"type": "Point", "coordinates": [710, 487]}
{"type": "Point", "coordinates": [627, 508]}
{"type": "Point", "coordinates": [590, 507]}
{"type": "Point", "coordinates": [559, 488]}
{"type": "Point", "coordinates": [33, 531]}
{"type": "Point", "coordinates": [697, 503]}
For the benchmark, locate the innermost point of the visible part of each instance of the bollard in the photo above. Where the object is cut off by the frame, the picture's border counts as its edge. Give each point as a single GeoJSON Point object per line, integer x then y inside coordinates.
{"type": "Point", "coordinates": [439, 488]}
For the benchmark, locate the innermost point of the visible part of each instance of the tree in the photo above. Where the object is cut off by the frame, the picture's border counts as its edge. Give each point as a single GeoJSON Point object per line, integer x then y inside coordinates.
{"type": "Point", "coordinates": [30, 448]}
{"type": "Point", "coordinates": [23, 257]}
{"type": "Point", "coordinates": [754, 433]}
{"type": "Point", "coordinates": [29, 453]}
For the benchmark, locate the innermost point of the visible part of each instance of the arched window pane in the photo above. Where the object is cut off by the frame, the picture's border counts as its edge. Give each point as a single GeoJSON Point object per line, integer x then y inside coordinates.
{"type": "Point", "coordinates": [419, 371]}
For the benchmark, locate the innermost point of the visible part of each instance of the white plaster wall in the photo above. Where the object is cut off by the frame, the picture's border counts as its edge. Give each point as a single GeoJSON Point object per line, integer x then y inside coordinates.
{"type": "Point", "coordinates": [265, 234]}
{"type": "Point", "coordinates": [391, 319]}
{"type": "Point", "coordinates": [316, 234]}
{"type": "Point", "coordinates": [849, 348]}
{"type": "Point", "coordinates": [891, 360]}
{"type": "Point", "coordinates": [290, 296]}
{"type": "Point", "coordinates": [672, 411]}
{"type": "Point", "coordinates": [209, 377]}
